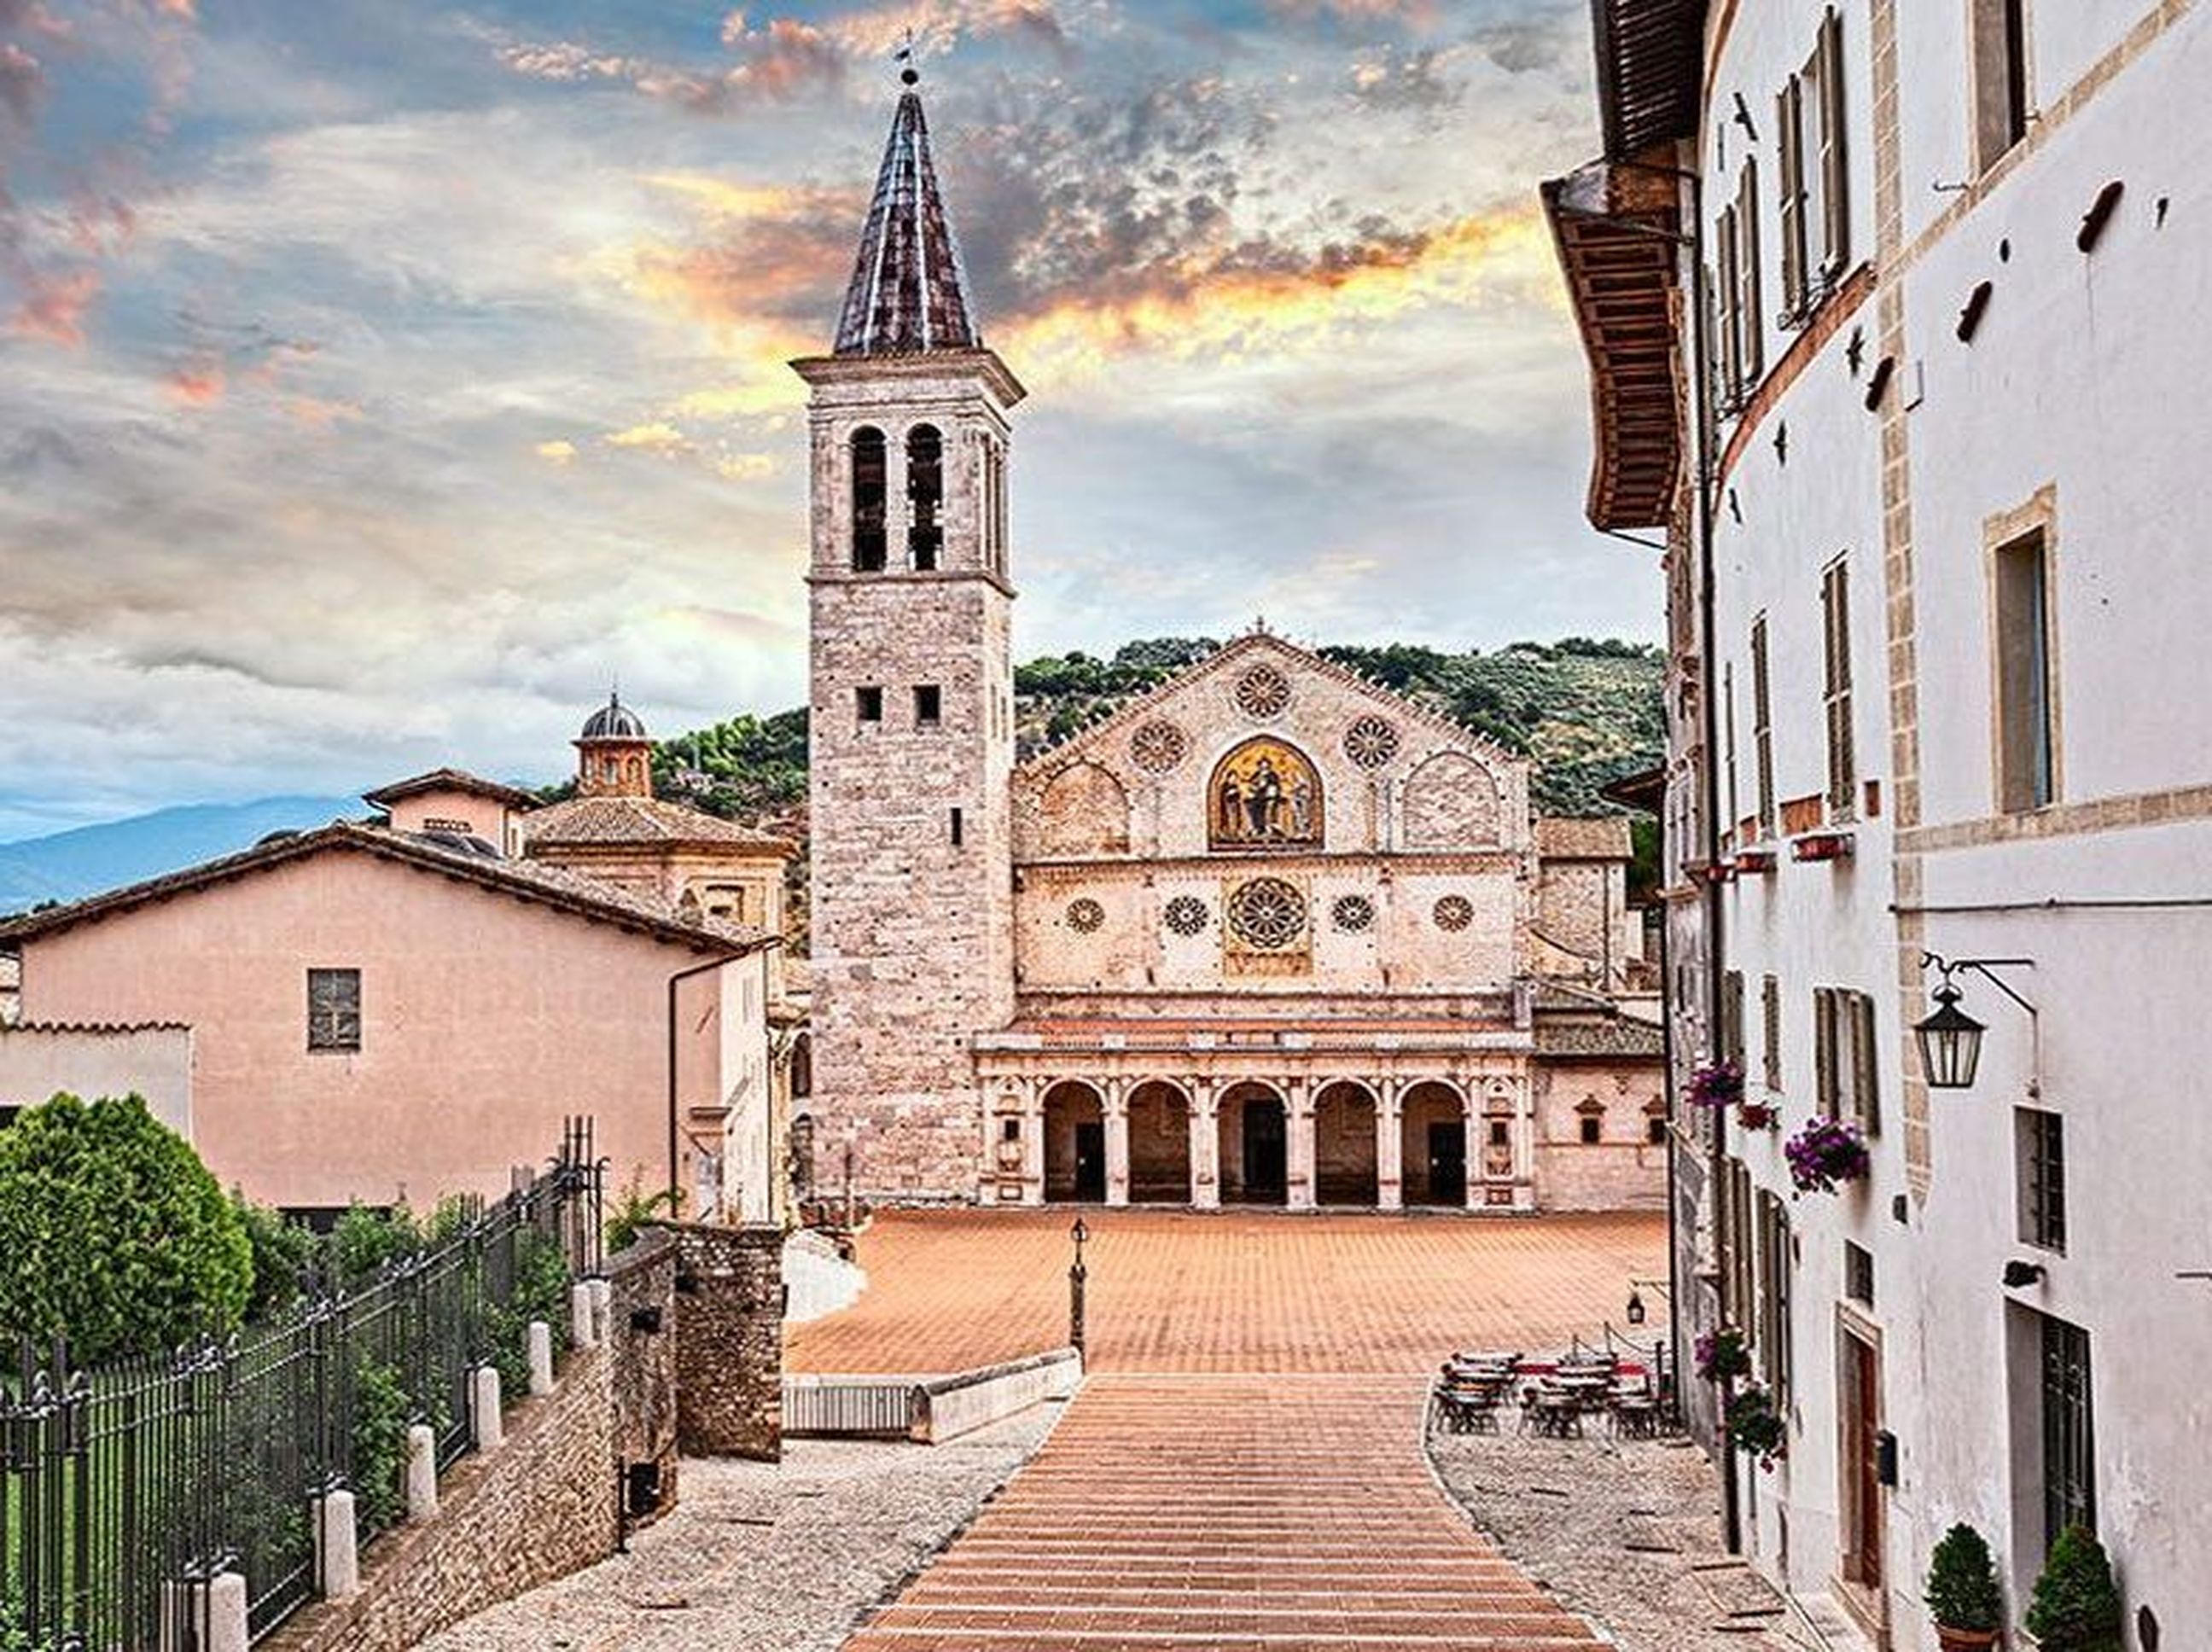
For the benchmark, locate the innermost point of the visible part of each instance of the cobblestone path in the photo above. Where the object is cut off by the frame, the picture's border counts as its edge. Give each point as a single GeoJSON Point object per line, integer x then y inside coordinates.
{"type": "Point", "coordinates": [1235, 1514]}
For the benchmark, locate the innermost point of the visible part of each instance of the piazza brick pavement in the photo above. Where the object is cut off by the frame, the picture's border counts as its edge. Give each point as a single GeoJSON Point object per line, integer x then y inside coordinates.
{"type": "Point", "coordinates": [1243, 1470]}
{"type": "Point", "coordinates": [1247, 1292]}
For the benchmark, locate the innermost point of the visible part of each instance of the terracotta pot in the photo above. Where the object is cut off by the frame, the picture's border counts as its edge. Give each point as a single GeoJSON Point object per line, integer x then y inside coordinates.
{"type": "Point", "coordinates": [1965, 1640]}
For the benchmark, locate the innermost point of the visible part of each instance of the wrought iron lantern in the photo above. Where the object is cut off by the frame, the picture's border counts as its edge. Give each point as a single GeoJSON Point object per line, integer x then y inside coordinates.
{"type": "Point", "coordinates": [1950, 1042]}
{"type": "Point", "coordinates": [1636, 1309]}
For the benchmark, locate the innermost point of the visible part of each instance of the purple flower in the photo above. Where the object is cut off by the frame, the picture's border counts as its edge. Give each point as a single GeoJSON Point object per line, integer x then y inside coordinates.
{"type": "Point", "coordinates": [1716, 1085]}
{"type": "Point", "coordinates": [1825, 1153]}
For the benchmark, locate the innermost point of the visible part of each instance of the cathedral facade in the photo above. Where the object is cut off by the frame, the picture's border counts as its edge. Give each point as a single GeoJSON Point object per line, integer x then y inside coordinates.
{"type": "Point", "coordinates": [1270, 934]}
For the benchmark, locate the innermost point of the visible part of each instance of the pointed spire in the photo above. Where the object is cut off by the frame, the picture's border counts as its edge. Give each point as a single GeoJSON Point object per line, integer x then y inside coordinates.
{"type": "Point", "coordinates": [908, 291]}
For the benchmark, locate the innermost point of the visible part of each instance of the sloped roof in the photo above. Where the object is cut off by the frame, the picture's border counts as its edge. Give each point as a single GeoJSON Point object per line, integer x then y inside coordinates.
{"type": "Point", "coordinates": [1562, 837]}
{"type": "Point", "coordinates": [1259, 642]}
{"type": "Point", "coordinates": [909, 290]}
{"type": "Point", "coordinates": [1617, 1037]}
{"type": "Point", "coordinates": [449, 779]}
{"type": "Point", "coordinates": [612, 821]}
{"type": "Point", "coordinates": [534, 881]}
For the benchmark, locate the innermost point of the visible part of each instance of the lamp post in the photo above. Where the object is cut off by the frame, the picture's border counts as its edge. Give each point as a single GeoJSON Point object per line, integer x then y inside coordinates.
{"type": "Point", "coordinates": [1077, 1275]}
{"type": "Point", "coordinates": [1637, 1313]}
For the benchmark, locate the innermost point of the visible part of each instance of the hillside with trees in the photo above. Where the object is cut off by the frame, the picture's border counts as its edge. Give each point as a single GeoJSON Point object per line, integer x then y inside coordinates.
{"type": "Point", "coordinates": [1585, 711]}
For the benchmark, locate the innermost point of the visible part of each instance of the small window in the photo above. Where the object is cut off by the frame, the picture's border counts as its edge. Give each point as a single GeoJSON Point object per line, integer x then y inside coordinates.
{"type": "Point", "coordinates": [868, 703]}
{"type": "Point", "coordinates": [2000, 47]}
{"type": "Point", "coordinates": [334, 1009]}
{"type": "Point", "coordinates": [1762, 725]}
{"type": "Point", "coordinates": [1836, 689]}
{"type": "Point", "coordinates": [2027, 759]}
{"type": "Point", "coordinates": [1770, 1004]}
{"type": "Point", "coordinates": [925, 497]}
{"type": "Point", "coordinates": [1497, 1133]}
{"type": "Point", "coordinates": [958, 829]}
{"type": "Point", "coordinates": [928, 705]}
{"type": "Point", "coordinates": [2040, 1145]}
{"type": "Point", "coordinates": [1858, 1274]}
{"type": "Point", "coordinates": [1655, 1130]}
{"type": "Point", "coordinates": [868, 495]}
{"type": "Point", "coordinates": [1009, 1129]}
{"type": "Point", "coordinates": [1593, 1129]}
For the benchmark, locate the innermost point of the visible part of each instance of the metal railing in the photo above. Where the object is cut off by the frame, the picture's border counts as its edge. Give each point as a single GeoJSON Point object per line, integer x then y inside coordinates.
{"type": "Point", "coordinates": [125, 1488]}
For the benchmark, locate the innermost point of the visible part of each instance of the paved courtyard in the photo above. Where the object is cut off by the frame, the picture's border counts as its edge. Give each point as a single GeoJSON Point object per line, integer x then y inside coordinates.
{"type": "Point", "coordinates": [1234, 1292]}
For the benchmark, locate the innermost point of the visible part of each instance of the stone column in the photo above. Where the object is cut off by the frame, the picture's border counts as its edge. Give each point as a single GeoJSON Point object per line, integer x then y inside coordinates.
{"type": "Point", "coordinates": [1390, 1144]}
{"type": "Point", "coordinates": [1298, 1120]}
{"type": "Point", "coordinates": [1032, 1143]}
{"type": "Point", "coordinates": [1205, 1146]}
{"type": "Point", "coordinates": [1116, 1110]}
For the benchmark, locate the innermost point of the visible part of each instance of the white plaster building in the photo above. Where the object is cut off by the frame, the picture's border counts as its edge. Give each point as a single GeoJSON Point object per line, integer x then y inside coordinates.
{"type": "Point", "coordinates": [1894, 364]}
{"type": "Point", "coordinates": [1270, 934]}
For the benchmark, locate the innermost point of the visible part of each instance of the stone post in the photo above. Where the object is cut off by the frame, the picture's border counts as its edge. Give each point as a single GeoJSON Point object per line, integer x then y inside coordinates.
{"type": "Point", "coordinates": [337, 1546]}
{"type": "Point", "coordinates": [582, 1326]}
{"type": "Point", "coordinates": [422, 1472]}
{"type": "Point", "coordinates": [603, 1299]}
{"type": "Point", "coordinates": [490, 1428]}
{"type": "Point", "coordinates": [1389, 1147]}
{"type": "Point", "coordinates": [541, 1357]}
{"type": "Point", "coordinates": [1298, 1120]}
{"type": "Point", "coordinates": [223, 1630]}
{"type": "Point", "coordinates": [1204, 1148]}
{"type": "Point", "coordinates": [1117, 1112]}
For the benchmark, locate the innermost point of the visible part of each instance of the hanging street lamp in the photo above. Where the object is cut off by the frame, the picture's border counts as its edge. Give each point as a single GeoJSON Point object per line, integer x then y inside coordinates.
{"type": "Point", "coordinates": [1950, 1040]}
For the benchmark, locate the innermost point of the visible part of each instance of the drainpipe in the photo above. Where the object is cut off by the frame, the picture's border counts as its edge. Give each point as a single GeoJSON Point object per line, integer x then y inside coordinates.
{"type": "Point", "coordinates": [675, 1188]}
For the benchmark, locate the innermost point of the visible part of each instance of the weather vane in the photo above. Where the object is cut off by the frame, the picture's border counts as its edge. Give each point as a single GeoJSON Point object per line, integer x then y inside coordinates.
{"type": "Point", "coordinates": [909, 74]}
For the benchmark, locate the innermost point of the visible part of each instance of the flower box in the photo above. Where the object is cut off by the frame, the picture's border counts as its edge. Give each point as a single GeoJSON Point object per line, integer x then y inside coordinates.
{"type": "Point", "coordinates": [1757, 1115]}
{"type": "Point", "coordinates": [1755, 1425]}
{"type": "Point", "coordinates": [1716, 1085]}
{"type": "Point", "coordinates": [1755, 862]}
{"type": "Point", "coordinates": [1722, 1354]}
{"type": "Point", "coordinates": [1822, 846]}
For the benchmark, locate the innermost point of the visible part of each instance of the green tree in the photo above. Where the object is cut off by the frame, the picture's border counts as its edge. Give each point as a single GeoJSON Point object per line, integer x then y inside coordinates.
{"type": "Point", "coordinates": [283, 1252]}
{"type": "Point", "coordinates": [2076, 1606]}
{"type": "Point", "coordinates": [112, 1234]}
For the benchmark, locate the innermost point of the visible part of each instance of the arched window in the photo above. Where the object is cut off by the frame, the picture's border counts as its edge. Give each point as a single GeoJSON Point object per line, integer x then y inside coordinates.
{"type": "Point", "coordinates": [925, 496]}
{"type": "Point", "coordinates": [868, 489]}
{"type": "Point", "coordinates": [1264, 795]}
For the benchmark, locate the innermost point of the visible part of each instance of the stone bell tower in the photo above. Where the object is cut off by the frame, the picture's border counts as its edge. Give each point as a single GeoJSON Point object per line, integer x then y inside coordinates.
{"type": "Point", "coordinates": [912, 704]}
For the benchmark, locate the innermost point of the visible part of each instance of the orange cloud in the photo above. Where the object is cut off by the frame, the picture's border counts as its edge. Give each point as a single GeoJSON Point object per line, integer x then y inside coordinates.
{"type": "Point", "coordinates": [199, 383]}
{"type": "Point", "coordinates": [53, 308]}
{"type": "Point", "coordinates": [556, 452]}
{"type": "Point", "coordinates": [1227, 310]}
{"type": "Point", "coordinates": [318, 415]}
{"type": "Point", "coordinates": [656, 437]}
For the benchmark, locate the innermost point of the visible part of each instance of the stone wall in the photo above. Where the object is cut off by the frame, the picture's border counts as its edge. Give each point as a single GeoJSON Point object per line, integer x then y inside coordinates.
{"type": "Point", "coordinates": [729, 1342]}
{"type": "Point", "coordinates": [535, 1508]}
{"type": "Point", "coordinates": [642, 1330]}
{"type": "Point", "coordinates": [1623, 1169]}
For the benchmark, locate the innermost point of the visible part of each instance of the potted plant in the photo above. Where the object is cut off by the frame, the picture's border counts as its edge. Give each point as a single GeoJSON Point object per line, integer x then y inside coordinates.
{"type": "Point", "coordinates": [1716, 1085]}
{"type": "Point", "coordinates": [1756, 1115]}
{"type": "Point", "coordinates": [1756, 1425]}
{"type": "Point", "coordinates": [1824, 1154]}
{"type": "Point", "coordinates": [1721, 1354]}
{"type": "Point", "coordinates": [2076, 1607]}
{"type": "Point", "coordinates": [1962, 1592]}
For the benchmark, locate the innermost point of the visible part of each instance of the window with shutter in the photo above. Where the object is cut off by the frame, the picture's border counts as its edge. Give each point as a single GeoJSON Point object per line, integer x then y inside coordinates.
{"type": "Point", "coordinates": [1789, 190]}
{"type": "Point", "coordinates": [1762, 730]}
{"type": "Point", "coordinates": [1729, 295]}
{"type": "Point", "coordinates": [1770, 1003]}
{"type": "Point", "coordinates": [1835, 215]}
{"type": "Point", "coordinates": [1824, 1051]}
{"type": "Point", "coordinates": [1727, 748]}
{"type": "Point", "coordinates": [1750, 314]}
{"type": "Point", "coordinates": [1836, 638]}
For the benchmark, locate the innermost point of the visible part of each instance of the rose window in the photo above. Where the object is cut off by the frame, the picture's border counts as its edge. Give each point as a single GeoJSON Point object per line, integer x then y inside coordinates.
{"type": "Point", "coordinates": [1157, 747]}
{"type": "Point", "coordinates": [1185, 914]}
{"type": "Point", "coordinates": [1371, 742]}
{"type": "Point", "coordinates": [1083, 916]}
{"type": "Point", "coordinates": [1353, 913]}
{"type": "Point", "coordinates": [1453, 913]}
{"type": "Point", "coordinates": [1267, 913]}
{"type": "Point", "coordinates": [1263, 691]}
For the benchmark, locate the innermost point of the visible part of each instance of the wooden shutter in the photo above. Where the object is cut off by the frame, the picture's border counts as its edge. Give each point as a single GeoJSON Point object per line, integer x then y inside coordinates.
{"type": "Point", "coordinates": [1771, 1030]}
{"type": "Point", "coordinates": [1835, 166]}
{"type": "Point", "coordinates": [1865, 1072]}
{"type": "Point", "coordinates": [1824, 1051]}
{"type": "Point", "coordinates": [1751, 315]}
{"type": "Point", "coordinates": [1789, 113]}
{"type": "Point", "coordinates": [1729, 296]}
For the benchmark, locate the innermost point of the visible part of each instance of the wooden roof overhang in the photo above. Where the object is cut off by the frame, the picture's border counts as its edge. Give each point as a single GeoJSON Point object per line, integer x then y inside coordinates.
{"type": "Point", "coordinates": [1617, 232]}
{"type": "Point", "coordinates": [1650, 62]}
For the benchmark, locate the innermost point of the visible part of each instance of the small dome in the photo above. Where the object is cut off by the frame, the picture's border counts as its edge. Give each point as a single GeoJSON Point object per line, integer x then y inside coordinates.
{"type": "Point", "coordinates": [614, 721]}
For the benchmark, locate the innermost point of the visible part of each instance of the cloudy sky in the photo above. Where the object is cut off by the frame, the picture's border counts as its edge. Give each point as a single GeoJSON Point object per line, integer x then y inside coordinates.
{"type": "Point", "coordinates": [381, 378]}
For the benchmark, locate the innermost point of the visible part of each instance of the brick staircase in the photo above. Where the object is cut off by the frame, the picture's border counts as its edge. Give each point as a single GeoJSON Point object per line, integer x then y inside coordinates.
{"type": "Point", "coordinates": [1261, 1514]}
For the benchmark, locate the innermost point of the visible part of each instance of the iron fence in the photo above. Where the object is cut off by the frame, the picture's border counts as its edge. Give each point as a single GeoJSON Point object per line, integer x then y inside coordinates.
{"type": "Point", "coordinates": [126, 1488]}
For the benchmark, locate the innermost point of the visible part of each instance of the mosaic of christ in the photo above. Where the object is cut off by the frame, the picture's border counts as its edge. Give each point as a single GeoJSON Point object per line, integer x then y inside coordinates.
{"type": "Point", "coordinates": [1264, 793]}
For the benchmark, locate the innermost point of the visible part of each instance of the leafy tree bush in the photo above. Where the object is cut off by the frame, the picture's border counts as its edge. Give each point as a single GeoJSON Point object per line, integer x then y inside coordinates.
{"type": "Point", "coordinates": [14, 1637]}
{"type": "Point", "coordinates": [1962, 1583]}
{"type": "Point", "coordinates": [112, 1234]}
{"type": "Point", "coordinates": [2076, 1606]}
{"type": "Point", "coordinates": [364, 1241]}
{"type": "Point", "coordinates": [541, 1293]}
{"type": "Point", "coordinates": [283, 1252]}
{"type": "Point", "coordinates": [637, 1211]}
{"type": "Point", "coordinates": [382, 1411]}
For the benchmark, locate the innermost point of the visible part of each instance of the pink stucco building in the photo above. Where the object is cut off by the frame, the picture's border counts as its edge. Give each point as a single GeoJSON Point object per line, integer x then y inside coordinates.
{"type": "Point", "coordinates": [380, 1014]}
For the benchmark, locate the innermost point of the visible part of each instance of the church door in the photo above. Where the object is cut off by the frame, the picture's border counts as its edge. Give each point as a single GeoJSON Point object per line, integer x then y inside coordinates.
{"type": "Point", "coordinates": [1448, 1161]}
{"type": "Point", "coordinates": [1091, 1163]}
{"type": "Point", "coordinates": [1266, 1159]}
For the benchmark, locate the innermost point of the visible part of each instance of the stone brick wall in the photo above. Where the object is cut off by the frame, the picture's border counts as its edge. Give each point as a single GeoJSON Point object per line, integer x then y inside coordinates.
{"type": "Point", "coordinates": [729, 1342]}
{"type": "Point", "coordinates": [1624, 1169]}
{"type": "Point", "coordinates": [538, 1508]}
{"type": "Point", "coordinates": [642, 1283]}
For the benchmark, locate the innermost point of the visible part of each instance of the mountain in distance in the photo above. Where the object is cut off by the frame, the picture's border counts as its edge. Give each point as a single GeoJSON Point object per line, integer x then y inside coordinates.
{"type": "Point", "coordinates": [70, 866]}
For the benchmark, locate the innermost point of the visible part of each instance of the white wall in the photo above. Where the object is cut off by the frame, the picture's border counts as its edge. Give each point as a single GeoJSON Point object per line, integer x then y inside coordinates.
{"type": "Point", "coordinates": [36, 1063]}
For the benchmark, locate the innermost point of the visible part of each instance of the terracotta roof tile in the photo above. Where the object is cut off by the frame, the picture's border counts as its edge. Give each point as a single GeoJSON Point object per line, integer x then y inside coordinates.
{"type": "Point", "coordinates": [614, 820]}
